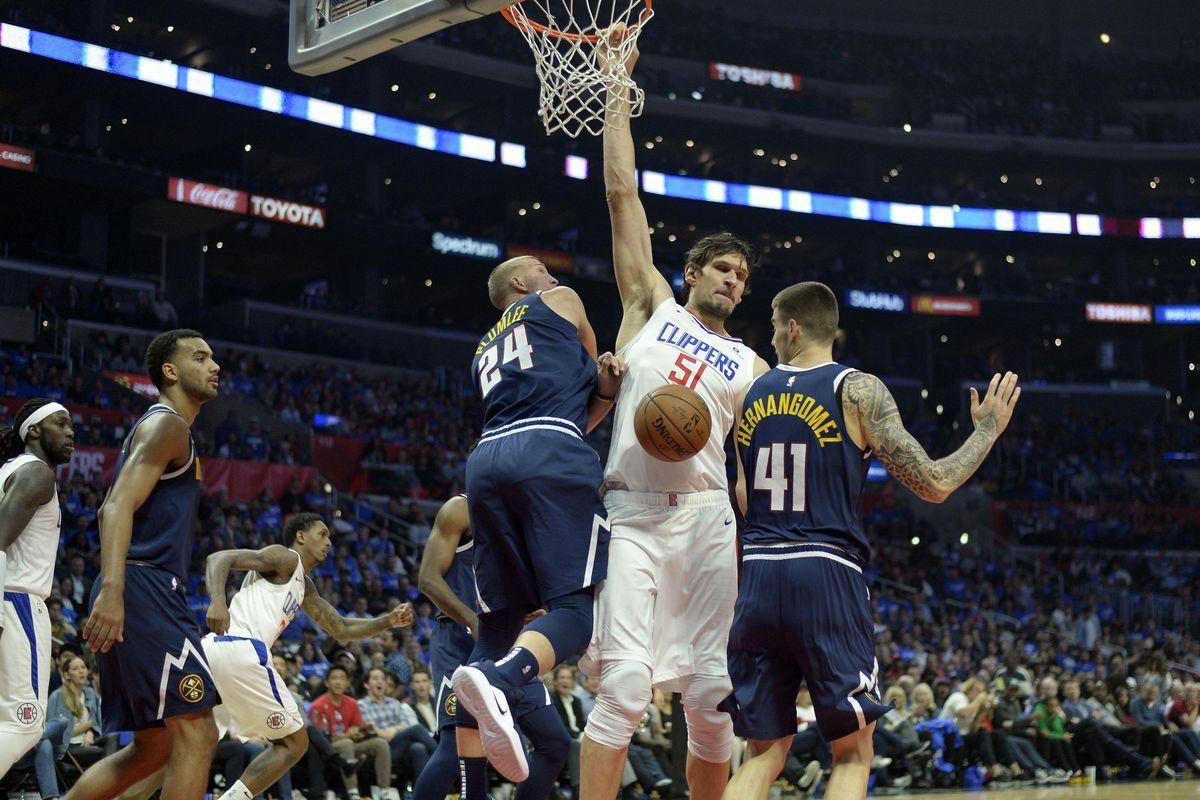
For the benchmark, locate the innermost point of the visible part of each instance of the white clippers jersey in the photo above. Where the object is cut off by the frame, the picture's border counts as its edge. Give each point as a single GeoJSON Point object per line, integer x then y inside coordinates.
{"type": "Point", "coordinates": [261, 609]}
{"type": "Point", "coordinates": [31, 557]}
{"type": "Point", "coordinates": [675, 347]}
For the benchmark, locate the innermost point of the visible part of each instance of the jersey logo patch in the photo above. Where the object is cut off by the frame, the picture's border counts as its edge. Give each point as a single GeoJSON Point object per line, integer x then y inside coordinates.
{"type": "Point", "coordinates": [191, 688]}
{"type": "Point", "coordinates": [27, 713]}
{"type": "Point", "coordinates": [275, 721]}
{"type": "Point", "coordinates": [451, 705]}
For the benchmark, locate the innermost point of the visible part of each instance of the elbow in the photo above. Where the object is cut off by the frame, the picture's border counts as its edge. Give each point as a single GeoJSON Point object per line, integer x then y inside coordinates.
{"type": "Point", "coordinates": [619, 197]}
{"type": "Point", "coordinates": [424, 584]}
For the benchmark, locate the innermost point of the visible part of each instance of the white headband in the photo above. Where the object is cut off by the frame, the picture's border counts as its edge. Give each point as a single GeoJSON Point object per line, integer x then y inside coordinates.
{"type": "Point", "coordinates": [39, 415]}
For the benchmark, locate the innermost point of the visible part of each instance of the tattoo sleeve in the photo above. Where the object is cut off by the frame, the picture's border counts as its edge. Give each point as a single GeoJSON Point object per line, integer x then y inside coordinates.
{"type": "Point", "coordinates": [900, 453]}
{"type": "Point", "coordinates": [333, 623]}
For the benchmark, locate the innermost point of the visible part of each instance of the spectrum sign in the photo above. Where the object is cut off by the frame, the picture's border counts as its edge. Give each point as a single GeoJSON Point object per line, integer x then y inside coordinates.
{"type": "Point", "coordinates": [458, 245]}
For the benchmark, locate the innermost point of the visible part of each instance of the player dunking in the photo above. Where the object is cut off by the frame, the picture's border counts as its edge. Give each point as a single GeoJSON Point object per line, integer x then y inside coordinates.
{"type": "Point", "coordinates": [804, 437]}
{"type": "Point", "coordinates": [156, 681]}
{"type": "Point", "coordinates": [254, 696]}
{"type": "Point", "coordinates": [40, 439]}
{"type": "Point", "coordinates": [663, 616]}
{"type": "Point", "coordinates": [448, 579]}
{"type": "Point", "coordinates": [540, 532]}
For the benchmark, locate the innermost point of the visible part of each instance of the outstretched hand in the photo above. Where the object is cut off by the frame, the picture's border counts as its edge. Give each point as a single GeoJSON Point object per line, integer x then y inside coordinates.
{"type": "Point", "coordinates": [995, 410]}
{"type": "Point", "coordinates": [401, 616]}
{"type": "Point", "coordinates": [609, 47]}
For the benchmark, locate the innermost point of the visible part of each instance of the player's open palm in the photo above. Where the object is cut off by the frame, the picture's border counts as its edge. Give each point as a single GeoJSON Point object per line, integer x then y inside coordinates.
{"type": "Point", "coordinates": [217, 618]}
{"type": "Point", "coordinates": [992, 414]}
{"type": "Point", "coordinates": [401, 616]}
{"type": "Point", "coordinates": [106, 624]}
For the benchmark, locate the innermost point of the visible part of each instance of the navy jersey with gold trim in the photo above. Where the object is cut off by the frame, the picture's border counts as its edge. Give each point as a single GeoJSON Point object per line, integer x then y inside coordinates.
{"type": "Point", "coordinates": [164, 527]}
{"type": "Point", "coordinates": [804, 476]}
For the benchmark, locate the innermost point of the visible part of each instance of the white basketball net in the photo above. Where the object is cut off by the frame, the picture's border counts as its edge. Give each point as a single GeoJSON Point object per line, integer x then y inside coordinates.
{"type": "Point", "coordinates": [575, 82]}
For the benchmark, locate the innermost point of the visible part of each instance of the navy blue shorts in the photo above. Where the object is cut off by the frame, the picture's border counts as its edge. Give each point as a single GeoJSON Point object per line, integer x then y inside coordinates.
{"type": "Point", "coordinates": [159, 671]}
{"type": "Point", "coordinates": [539, 526]}
{"type": "Point", "coordinates": [803, 614]}
{"type": "Point", "coordinates": [449, 648]}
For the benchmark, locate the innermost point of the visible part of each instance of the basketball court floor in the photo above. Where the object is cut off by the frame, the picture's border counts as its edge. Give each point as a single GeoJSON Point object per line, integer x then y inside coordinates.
{"type": "Point", "coordinates": [1141, 790]}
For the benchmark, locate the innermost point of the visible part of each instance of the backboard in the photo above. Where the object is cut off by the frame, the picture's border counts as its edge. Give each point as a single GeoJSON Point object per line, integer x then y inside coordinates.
{"type": "Point", "coordinates": [327, 35]}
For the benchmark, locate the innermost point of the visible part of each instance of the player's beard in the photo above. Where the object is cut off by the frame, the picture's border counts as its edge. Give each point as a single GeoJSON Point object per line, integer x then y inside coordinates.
{"type": "Point", "coordinates": [710, 307]}
{"type": "Point", "coordinates": [200, 389]}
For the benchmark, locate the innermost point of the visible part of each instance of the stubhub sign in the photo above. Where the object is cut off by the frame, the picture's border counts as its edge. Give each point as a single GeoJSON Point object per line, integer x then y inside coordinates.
{"type": "Point", "coordinates": [876, 301]}
{"type": "Point", "coordinates": [469, 246]}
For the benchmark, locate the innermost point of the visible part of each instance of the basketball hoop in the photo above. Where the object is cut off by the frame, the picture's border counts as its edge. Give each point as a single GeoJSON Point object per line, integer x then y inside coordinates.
{"type": "Point", "coordinates": [575, 82]}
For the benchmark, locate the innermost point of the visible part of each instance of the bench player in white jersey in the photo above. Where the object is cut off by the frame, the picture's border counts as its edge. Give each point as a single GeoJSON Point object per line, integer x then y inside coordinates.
{"type": "Point", "coordinates": [40, 439]}
{"type": "Point", "coordinates": [254, 697]}
{"type": "Point", "coordinates": [663, 617]}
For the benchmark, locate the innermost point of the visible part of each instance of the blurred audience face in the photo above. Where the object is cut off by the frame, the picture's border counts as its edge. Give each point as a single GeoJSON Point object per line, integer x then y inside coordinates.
{"type": "Point", "coordinates": [422, 686]}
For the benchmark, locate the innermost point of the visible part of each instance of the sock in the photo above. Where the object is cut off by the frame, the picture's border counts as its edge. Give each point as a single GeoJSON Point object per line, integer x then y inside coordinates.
{"type": "Point", "coordinates": [519, 667]}
{"type": "Point", "coordinates": [472, 773]}
{"type": "Point", "coordinates": [238, 792]}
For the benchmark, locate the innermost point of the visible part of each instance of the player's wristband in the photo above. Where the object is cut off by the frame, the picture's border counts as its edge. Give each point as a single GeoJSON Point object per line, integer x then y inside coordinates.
{"type": "Point", "coordinates": [603, 397]}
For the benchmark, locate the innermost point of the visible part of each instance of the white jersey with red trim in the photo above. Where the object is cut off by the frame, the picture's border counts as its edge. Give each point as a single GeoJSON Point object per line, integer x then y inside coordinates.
{"type": "Point", "coordinates": [262, 609]}
{"type": "Point", "coordinates": [675, 347]}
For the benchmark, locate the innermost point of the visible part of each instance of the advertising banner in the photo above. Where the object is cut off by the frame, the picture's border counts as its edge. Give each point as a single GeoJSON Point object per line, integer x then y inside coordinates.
{"type": "Point", "coordinates": [788, 81]}
{"type": "Point", "coordinates": [14, 157]}
{"type": "Point", "coordinates": [291, 212]}
{"type": "Point", "coordinates": [1133, 313]}
{"type": "Point", "coordinates": [945, 306]}
{"type": "Point", "coordinates": [132, 380]}
{"type": "Point", "coordinates": [876, 301]}
{"type": "Point", "coordinates": [1177, 315]}
{"type": "Point", "coordinates": [194, 193]}
{"type": "Point", "coordinates": [458, 244]}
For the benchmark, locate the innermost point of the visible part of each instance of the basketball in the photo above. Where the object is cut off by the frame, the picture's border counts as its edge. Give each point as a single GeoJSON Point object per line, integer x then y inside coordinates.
{"type": "Point", "coordinates": [672, 423]}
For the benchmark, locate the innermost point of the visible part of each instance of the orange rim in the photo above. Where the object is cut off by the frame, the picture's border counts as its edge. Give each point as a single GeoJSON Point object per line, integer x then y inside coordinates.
{"type": "Point", "coordinates": [527, 24]}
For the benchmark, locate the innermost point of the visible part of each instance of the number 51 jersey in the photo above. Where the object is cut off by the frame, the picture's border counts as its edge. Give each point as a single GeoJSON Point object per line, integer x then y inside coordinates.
{"type": "Point", "coordinates": [531, 366]}
{"type": "Point", "coordinates": [675, 347]}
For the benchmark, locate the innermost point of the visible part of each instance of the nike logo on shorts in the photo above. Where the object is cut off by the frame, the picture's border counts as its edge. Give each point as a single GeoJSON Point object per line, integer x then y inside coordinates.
{"type": "Point", "coordinates": [728, 522]}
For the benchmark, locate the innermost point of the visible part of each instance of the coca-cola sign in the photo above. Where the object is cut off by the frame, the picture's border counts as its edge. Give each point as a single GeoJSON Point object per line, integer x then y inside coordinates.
{"type": "Point", "coordinates": [287, 211]}
{"type": "Point", "coordinates": [208, 195]}
{"type": "Point", "coordinates": [14, 157]}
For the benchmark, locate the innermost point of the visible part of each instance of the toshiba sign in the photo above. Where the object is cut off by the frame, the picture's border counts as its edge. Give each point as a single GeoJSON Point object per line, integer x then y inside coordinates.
{"type": "Point", "coordinates": [788, 81]}
{"type": "Point", "coordinates": [1120, 312]}
{"type": "Point", "coordinates": [206, 194]}
{"type": "Point", "coordinates": [15, 157]}
{"type": "Point", "coordinates": [287, 211]}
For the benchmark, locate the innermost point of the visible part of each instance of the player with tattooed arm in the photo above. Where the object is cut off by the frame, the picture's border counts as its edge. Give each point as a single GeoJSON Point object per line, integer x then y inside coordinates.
{"type": "Point", "coordinates": [805, 434]}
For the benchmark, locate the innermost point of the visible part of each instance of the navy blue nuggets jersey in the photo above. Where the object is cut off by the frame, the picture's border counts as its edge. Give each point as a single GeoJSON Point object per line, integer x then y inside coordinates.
{"type": "Point", "coordinates": [531, 365]}
{"type": "Point", "coordinates": [461, 577]}
{"type": "Point", "coordinates": [804, 476]}
{"type": "Point", "coordinates": [164, 528]}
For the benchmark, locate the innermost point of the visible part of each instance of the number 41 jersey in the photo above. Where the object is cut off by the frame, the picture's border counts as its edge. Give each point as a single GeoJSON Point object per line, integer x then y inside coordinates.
{"type": "Point", "coordinates": [530, 365]}
{"type": "Point", "coordinates": [804, 475]}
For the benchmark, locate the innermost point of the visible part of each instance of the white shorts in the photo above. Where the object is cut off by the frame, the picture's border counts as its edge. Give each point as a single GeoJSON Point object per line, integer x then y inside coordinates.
{"type": "Point", "coordinates": [255, 701]}
{"type": "Point", "coordinates": [672, 583]}
{"type": "Point", "coordinates": [25, 663]}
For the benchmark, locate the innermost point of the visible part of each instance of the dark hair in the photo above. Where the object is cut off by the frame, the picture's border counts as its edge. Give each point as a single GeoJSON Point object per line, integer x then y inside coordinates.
{"type": "Point", "coordinates": [814, 306]}
{"type": "Point", "coordinates": [300, 522]}
{"type": "Point", "coordinates": [421, 671]}
{"type": "Point", "coordinates": [337, 668]}
{"type": "Point", "coordinates": [162, 349]}
{"type": "Point", "coordinates": [720, 244]}
{"type": "Point", "coordinates": [11, 445]}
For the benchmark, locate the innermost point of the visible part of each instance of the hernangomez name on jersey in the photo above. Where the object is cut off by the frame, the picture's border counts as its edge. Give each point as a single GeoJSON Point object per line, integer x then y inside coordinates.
{"type": "Point", "coordinates": [675, 347]}
{"type": "Point", "coordinates": [262, 609]}
{"type": "Point", "coordinates": [32, 556]}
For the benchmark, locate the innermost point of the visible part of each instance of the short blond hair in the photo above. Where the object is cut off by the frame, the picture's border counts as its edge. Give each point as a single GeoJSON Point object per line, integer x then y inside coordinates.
{"type": "Point", "coordinates": [500, 278]}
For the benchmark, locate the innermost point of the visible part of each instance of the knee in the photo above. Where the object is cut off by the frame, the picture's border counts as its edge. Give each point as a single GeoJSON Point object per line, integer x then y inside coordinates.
{"type": "Point", "coordinates": [296, 745]}
{"type": "Point", "coordinates": [624, 695]}
{"type": "Point", "coordinates": [857, 748]}
{"type": "Point", "coordinates": [710, 730]}
{"type": "Point", "coordinates": [198, 733]}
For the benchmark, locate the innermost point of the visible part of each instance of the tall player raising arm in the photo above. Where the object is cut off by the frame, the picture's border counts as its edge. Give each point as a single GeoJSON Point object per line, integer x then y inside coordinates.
{"type": "Point", "coordinates": [161, 445]}
{"type": "Point", "coordinates": [641, 286]}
